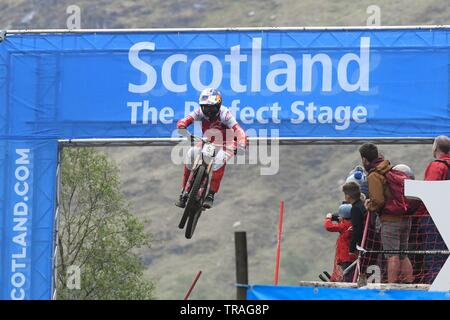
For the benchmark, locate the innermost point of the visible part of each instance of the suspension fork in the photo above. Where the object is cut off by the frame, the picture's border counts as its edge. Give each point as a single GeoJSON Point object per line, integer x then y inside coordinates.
{"type": "Point", "coordinates": [204, 184]}
{"type": "Point", "coordinates": [187, 187]}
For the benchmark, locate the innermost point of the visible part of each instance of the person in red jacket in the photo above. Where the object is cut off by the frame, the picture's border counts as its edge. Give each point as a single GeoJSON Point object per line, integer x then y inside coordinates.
{"type": "Point", "coordinates": [216, 120]}
{"type": "Point", "coordinates": [343, 257]}
{"type": "Point", "coordinates": [438, 169]}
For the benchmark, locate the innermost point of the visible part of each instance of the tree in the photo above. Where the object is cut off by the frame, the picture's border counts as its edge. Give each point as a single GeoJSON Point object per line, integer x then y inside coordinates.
{"type": "Point", "coordinates": [98, 234]}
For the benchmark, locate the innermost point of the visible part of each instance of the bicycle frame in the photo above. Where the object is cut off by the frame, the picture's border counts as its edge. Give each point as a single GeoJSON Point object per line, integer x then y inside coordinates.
{"type": "Point", "coordinates": [200, 161]}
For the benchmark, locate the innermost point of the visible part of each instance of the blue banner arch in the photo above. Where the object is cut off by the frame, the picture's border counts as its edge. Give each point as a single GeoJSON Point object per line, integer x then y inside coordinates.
{"type": "Point", "coordinates": [349, 83]}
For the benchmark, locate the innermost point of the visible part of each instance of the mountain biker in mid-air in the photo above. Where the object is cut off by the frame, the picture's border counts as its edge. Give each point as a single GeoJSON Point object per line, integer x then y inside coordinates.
{"type": "Point", "coordinates": [216, 120]}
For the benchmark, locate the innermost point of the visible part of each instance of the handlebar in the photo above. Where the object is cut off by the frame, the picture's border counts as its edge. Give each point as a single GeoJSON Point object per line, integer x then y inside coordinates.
{"type": "Point", "coordinates": [192, 137]}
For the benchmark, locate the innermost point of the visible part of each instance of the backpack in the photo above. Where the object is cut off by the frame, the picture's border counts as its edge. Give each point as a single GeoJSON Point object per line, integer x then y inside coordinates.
{"type": "Point", "coordinates": [448, 167]}
{"type": "Point", "coordinates": [397, 204]}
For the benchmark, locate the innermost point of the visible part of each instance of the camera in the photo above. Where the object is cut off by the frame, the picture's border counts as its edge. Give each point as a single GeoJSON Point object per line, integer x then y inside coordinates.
{"type": "Point", "coordinates": [335, 217]}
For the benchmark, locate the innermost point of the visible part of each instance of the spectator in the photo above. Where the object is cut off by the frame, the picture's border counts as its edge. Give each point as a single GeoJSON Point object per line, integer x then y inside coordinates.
{"type": "Point", "coordinates": [343, 258]}
{"type": "Point", "coordinates": [352, 194]}
{"type": "Point", "coordinates": [373, 241]}
{"type": "Point", "coordinates": [394, 229]}
{"type": "Point", "coordinates": [357, 175]}
{"type": "Point", "coordinates": [413, 204]}
{"type": "Point", "coordinates": [415, 236]}
{"type": "Point", "coordinates": [438, 169]}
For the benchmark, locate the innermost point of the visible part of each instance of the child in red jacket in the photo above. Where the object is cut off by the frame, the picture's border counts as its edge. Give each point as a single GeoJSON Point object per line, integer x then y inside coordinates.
{"type": "Point", "coordinates": [343, 257]}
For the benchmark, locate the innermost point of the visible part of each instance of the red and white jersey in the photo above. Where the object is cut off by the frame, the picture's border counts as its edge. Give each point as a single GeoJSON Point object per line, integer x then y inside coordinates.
{"type": "Point", "coordinates": [224, 121]}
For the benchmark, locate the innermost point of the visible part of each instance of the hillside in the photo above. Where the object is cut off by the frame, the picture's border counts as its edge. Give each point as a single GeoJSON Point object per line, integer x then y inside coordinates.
{"type": "Point", "coordinates": [309, 176]}
{"type": "Point", "coordinates": [308, 181]}
{"type": "Point", "coordinates": [18, 14]}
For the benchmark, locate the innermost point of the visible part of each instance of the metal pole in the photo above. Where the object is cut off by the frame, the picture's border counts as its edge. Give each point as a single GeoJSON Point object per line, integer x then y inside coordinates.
{"type": "Point", "coordinates": [363, 243]}
{"type": "Point", "coordinates": [188, 293]}
{"type": "Point", "coordinates": [240, 241]}
{"type": "Point", "coordinates": [280, 230]}
{"type": "Point", "coordinates": [56, 220]}
{"type": "Point", "coordinates": [412, 252]}
{"type": "Point", "coordinates": [93, 142]}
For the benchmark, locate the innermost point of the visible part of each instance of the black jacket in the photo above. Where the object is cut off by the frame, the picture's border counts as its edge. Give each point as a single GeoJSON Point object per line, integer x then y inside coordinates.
{"type": "Point", "coordinates": [357, 216]}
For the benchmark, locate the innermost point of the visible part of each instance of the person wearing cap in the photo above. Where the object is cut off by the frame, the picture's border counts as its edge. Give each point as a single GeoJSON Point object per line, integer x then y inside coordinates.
{"type": "Point", "coordinates": [343, 258]}
{"type": "Point", "coordinates": [415, 238]}
{"type": "Point", "coordinates": [358, 175]}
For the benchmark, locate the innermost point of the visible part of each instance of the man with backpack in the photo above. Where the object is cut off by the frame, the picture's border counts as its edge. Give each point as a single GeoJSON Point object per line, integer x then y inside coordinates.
{"type": "Point", "coordinates": [386, 198]}
{"type": "Point", "coordinates": [438, 169]}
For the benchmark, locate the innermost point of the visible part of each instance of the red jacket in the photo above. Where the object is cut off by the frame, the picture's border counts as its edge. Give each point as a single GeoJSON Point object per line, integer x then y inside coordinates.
{"type": "Point", "coordinates": [343, 241]}
{"type": "Point", "coordinates": [224, 121]}
{"type": "Point", "coordinates": [434, 172]}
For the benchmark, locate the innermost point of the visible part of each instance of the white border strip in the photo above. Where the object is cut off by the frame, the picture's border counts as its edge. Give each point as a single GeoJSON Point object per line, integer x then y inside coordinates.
{"type": "Point", "coordinates": [322, 28]}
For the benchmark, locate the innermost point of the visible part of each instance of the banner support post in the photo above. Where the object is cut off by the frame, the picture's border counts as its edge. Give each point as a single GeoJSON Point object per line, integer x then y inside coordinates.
{"type": "Point", "coordinates": [240, 241]}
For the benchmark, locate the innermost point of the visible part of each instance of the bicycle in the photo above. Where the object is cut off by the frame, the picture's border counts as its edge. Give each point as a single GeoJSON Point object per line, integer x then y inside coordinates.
{"type": "Point", "coordinates": [198, 182]}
